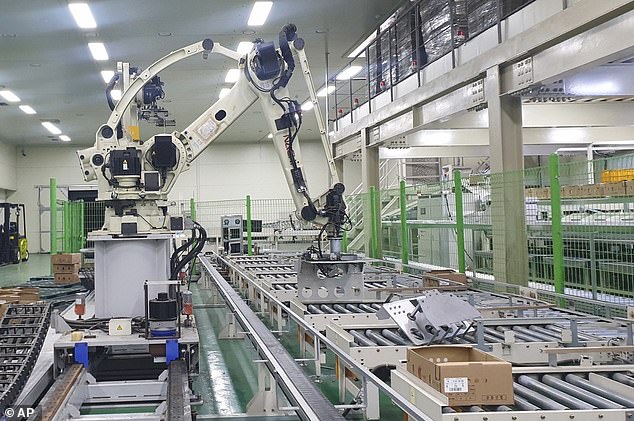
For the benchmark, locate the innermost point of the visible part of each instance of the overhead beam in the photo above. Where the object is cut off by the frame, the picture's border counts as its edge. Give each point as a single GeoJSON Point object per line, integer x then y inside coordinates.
{"type": "Point", "coordinates": [463, 151]}
{"type": "Point", "coordinates": [607, 42]}
{"type": "Point", "coordinates": [531, 136]}
{"type": "Point", "coordinates": [601, 114]}
{"type": "Point", "coordinates": [576, 19]}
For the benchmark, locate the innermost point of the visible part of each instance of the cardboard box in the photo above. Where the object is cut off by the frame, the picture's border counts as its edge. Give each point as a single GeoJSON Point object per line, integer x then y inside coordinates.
{"type": "Point", "coordinates": [629, 188]}
{"type": "Point", "coordinates": [541, 193]}
{"type": "Point", "coordinates": [466, 375]}
{"type": "Point", "coordinates": [615, 189]}
{"type": "Point", "coordinates": [449, 275]}
{"type": "Point", "coordinates": [22, 295]}
{"type": "Point", "coordinates": [66, 278]}
{"type": "Point", "coordinates": [63, 268]}
{"type": "Point", "coordinates": [593, 190]}
{"type": "Point", "coordinates": [66, 258]}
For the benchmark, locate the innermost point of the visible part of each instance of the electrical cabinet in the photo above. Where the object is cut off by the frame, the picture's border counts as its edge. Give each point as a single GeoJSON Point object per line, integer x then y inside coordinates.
{"type": "Point", "coordinates": [232, 234]}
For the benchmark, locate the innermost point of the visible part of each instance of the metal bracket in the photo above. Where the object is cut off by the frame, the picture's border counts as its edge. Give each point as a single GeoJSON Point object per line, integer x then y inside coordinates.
{"type": "Point", "coordinates": [431, 318]}
{"type": "Point", "coordinates": [346, 286]}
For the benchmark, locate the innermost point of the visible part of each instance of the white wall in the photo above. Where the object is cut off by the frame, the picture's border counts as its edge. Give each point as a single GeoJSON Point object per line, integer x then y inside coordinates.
{"type": "Point", "coordinates": [224, 171]}
{"type": "Point", "coordinates": [7, 169]}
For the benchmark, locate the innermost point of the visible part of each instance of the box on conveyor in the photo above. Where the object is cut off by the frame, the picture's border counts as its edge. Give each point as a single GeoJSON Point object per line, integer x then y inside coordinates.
{"type": "Point", "coordinates": [466, 375]}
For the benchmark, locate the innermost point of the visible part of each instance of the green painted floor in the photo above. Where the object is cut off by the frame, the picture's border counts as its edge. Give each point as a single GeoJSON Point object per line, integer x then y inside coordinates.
{"type": "Point", "coordinates": [38, 265]}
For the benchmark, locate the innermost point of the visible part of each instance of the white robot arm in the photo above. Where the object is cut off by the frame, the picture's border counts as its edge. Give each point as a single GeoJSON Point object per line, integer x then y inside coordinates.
{"type": "Point", "coordinates": [134, 178]}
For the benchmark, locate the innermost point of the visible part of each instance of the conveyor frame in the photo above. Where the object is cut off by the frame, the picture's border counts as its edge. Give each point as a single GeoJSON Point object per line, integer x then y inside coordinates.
{"type": "Point", "coordinates": [371, 385]}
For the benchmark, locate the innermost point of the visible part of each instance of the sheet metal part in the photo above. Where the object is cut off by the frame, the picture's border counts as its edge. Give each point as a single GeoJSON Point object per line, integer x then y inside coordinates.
{"type": "Point", "coordinates": [22, 332]}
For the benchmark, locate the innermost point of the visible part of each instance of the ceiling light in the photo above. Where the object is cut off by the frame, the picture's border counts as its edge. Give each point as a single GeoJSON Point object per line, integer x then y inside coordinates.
{"type": "Point", "coordinates": [98, 51]}
{"type": "Point", "coordinates": [10, 96]}
{"type": "Point", "coordinates": [360, 50]}
{"type": "Point", "coordinates": [269, 136]}
{"type": "Point", "coordinates": [27, 109]}
{"type": "Point", "coordinates": [232, 76]}
{"type": "Point", "coordinates": [51, 127]}
{"type": "Point", "coordinates": [307, 106]}
{"type": "Point", "coordinates": [259, 13]}
{"type": "Point", "coordinates": [244, 47]}
{"type": "Point", "coordinates": [64, 138]}
{"type": "Point", "coordinates": [107, 75]}
{"type": "Point", "coordinates": [326, 90]}
{"type": "Point", "coordinates": [223, 92]}
{"type": "Point", "coordinates": [82, 14]}
{"type": "Point", "coordinates": [115, 94]}
{"type": "Point", "coordinates": [349, 72]}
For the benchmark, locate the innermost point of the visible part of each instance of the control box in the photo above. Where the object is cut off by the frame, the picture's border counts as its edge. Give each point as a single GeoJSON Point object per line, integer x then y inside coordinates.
{"type": "Point", "coordinates": [232, 234]}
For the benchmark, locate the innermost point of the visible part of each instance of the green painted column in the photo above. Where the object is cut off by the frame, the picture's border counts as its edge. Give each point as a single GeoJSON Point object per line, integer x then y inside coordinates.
{"type": "Point", "coordinates": [375, 215]}
{"type": "Point", "coordinates": [557, 230]}
{"type": "Point", "coordinates": [344, 242]}
{"type": "Point", "coordinates": [457, 179]}
{"type": "Point", "coordinates": [53, 221]}
{"type": "Point", "coordinates": [82, 227]}
{"type": "Point", "coordinates": [404, 228]}
{"type": "Point", "coordinates": [249, 243]}
{"type": "Point", "coordinates": [192, 209]}
{"type": "Point", "coordinates": [66, 227]}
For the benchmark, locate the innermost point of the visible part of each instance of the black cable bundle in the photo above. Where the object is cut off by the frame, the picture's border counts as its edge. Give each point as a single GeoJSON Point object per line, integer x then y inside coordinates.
{"type": "Point", "coordinates": [195, 245]}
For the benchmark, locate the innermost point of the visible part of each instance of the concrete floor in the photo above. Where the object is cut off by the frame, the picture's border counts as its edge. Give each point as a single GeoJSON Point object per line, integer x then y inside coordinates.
{"type": "Point", "coordinates": [38, 265]}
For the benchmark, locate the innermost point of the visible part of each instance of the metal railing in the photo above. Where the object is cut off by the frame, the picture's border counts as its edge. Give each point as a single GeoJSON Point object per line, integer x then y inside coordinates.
{"type": "Point", "coordinates": [421, 34]}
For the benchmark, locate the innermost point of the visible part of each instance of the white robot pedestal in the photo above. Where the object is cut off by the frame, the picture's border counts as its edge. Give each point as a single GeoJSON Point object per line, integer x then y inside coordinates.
{"type": "Point", "coordinates": [122, 265]}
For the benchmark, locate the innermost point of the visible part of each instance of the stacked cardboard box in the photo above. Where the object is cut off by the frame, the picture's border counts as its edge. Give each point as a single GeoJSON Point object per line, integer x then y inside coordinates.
{"type": "Point", "coordinates": [66, 267]}
{"type": "Point", "coordinates": [17, 295]}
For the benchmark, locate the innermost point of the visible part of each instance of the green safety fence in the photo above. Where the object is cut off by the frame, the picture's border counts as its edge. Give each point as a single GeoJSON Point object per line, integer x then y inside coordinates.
{"type": "Point", "coordinates": [563, 227]}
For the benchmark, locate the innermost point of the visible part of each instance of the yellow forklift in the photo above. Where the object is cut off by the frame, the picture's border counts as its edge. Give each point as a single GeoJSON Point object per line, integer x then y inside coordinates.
{"type": "Point", "coordinates": [14, 246]}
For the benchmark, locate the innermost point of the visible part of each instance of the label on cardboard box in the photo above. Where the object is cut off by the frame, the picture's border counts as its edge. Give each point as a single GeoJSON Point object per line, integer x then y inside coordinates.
{"type": "Point", "coordinates": [456, 384]}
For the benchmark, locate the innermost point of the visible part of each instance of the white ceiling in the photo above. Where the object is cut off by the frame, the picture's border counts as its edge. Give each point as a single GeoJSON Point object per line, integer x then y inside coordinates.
{"type": "Point", "coordinates": [48, 65]}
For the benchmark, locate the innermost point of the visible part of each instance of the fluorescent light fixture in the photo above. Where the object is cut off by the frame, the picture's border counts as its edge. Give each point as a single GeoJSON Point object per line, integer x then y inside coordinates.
{"type": "Point", "coordinates": [223, 92]}
{"type": "Point", "coordinates": [9, 96]}
{"type": "Point", "coordinates": [232, 76]}
{"type": "Point", "coordinates": [27, 109]}
{"type": "Point", "coordinates": [83, 16]}
{"type": "Point", "coordinates": [360, 50]}
{"type": "Point", "coordinates": [107, 75]}
{"type": "Point", "coordinates": [326, 90]}
{"type": "Point", "coordinates": [269, 136]}
{"type": "Point", "coordinates": [308, 105]}
{"type": "Point", "coordinates": [115, 94]}
{"type": "Point", "coordinates": [244, 47]}
{"type": "Point", "coordinates": [51, 127]}
{"type": "Point", "coordinates": [259, 13]}
{"type": "Point", "coordinates": [64, 138]}
{"type": "Point", "coordinates": [98, 51]}
{"type": "Point", "coordinates": [349, 72]}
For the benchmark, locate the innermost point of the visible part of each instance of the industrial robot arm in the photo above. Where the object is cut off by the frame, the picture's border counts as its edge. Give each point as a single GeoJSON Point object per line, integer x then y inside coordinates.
{"type": "Point", "coordinates": [134, 178]}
